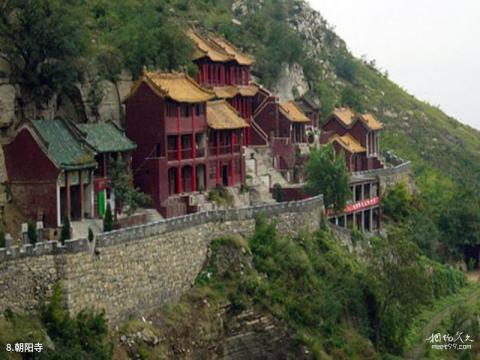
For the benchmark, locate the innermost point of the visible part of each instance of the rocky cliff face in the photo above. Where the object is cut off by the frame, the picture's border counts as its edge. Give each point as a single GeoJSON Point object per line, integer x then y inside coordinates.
{"type": "Point", "coordinates": [94, 100]}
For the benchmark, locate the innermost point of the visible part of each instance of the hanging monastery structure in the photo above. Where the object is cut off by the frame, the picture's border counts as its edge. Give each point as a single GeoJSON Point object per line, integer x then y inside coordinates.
{"type": "Point", "coordinates": [184, 136]}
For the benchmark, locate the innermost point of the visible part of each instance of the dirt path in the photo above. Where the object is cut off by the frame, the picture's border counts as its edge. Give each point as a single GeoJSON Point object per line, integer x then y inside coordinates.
{"type": "Point", "coordinates": [417, 351]}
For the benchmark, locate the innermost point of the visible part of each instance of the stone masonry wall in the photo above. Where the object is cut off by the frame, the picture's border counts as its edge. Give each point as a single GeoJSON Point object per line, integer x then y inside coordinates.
{"type": "Point", "coordinates": [130, 271]}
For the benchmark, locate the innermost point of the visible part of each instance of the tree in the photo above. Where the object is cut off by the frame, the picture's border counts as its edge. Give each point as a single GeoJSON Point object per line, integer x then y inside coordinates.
{"type": "Point", "coordinates": [2, 236]}
{"type": "Point", "coordinates": [127, 198]}
{"type": "Point", "coordinates": [349, 97]}
{"type": "Point", "coordinates": [327, 174]}
{"type": "Point", "coordinates": [42, 40]}
{"type": "Point", "coordinates": [91, 236]}
{"type": "Point", "coordinates": [399, 285]}
{"type": "Point", "coordinates": [65, 235]}
{"type": "Point", "coordinates": [459, 221]}
{"type": "Point", "coordinates": [108, 220]}
{"type": "Point", "coordinates": [346, 67]}
{"type": "Point", "coordinates": [84, 336]}
{"type": "Point", "coordinates": [397, 202]}
{"type": "Point", "coordinates": [32, 232]}
{"type": "Point", "coordinates": [144, 36]}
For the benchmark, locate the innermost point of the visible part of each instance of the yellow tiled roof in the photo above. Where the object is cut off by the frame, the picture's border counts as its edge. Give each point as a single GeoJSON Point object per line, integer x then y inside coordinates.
{"type": "Point", "coordinates": [242, 59]}
{"type": "Point", "coordinates": [205, 47]}
{"type": "Point", "coordinates": [371, 121]}
{"type": "Point", "coordinates": [293, 112]}
{"type": "Point", "coordinates": [348, 142]}
{"type": "Point", "coordinates": [229, 91]}
{"type": "Point", "coordinates": [176, 86]}
{"type": "Point", "coordinates": [345, 115]}
{"type": "Point", "coordinates": [221, 115]}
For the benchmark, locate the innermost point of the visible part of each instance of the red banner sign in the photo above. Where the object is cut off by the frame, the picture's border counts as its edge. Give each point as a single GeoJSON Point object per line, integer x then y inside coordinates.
{"type": "Point", "coordinates": [356, 206]}
{"type": "Point", "coordinates": [100, 184]}
{"type": "Point", "coordinates": [362, 204]}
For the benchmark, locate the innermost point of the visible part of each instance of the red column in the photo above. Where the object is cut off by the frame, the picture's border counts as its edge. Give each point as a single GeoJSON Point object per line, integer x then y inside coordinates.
{"type": "Point", "coordinates": [104, 165]}
{"type": "Point", "coordinates": [194, 178]}
{"type": "Point", "coordinates": [178, 134]}
{"type": "Point", "coordinates": [68, 202]}
{"type": "Point", "coordinates": [194, 152]}
{"type": "Point", "coordinates": [222, 75]}
{"type": "Point", "coordinates": [80, 181]}
{"type": "Point", "coordinates": [218, 160]}
{"type": "Point", "coordinates": [179, 180]}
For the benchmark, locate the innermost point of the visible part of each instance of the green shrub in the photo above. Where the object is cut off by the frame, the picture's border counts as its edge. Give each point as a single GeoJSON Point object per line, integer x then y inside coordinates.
{"type": "Point", "coordinates": [397, 202]}
{"type": "Point", "coordinates": [2, 237]}
{"type": "Point", "coordinates": [108, 220]}
{"type": "Point", "coordinates": [346, 67]}
{"type": "Point", "coordinates": [32, 232]}
{"type": "Point", "coordinates": [349, 97]}
{"type": "Point", "coordinates": [81, 337]}
{"type": "Point", "coordinates": [66, 229]}
{"type": "Point", "coordinates": [277, 192]}
{"type": "Point", "coordinates": [91, 236]}
{"type": "Point", "coordinates": [220, 196]}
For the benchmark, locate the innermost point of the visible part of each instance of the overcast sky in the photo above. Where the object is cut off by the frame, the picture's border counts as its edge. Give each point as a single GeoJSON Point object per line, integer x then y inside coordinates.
{"type": "Point", "coordinates": [429, 47]}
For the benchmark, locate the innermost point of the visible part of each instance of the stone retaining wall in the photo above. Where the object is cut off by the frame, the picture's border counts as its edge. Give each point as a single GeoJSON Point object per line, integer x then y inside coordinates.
{"type": "Point", "coordinates": [130, 271]}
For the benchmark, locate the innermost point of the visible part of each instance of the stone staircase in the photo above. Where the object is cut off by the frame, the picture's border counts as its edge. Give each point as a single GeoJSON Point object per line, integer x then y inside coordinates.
{"type": "Point", "coordinates": [264, 160]}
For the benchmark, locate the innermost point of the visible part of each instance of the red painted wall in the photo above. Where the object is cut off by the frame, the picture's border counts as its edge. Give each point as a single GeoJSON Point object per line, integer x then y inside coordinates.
{"type": "Point", "coordinates": [32, 178]}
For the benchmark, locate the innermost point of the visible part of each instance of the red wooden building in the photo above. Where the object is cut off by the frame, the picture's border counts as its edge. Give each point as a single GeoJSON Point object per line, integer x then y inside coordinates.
{"type": "Point", "coordinates": [358, 132]}
{"type": "Point", "coordinates": [283, 128]}
{"type": "Point", "coordinates": [109, 142]}
{"type": "Point", "coordinates": [185, 143]}
{"type": "Point", "coordinates": [226, 70]}
{"type": "Point", "coordinates": [311, 109]}
{"type": "Point", "coordinates": [50, 172]}
{"type": "Point", "coordinates": [363, 209]}
{"type": "Point", "coordinates": [225, 157]}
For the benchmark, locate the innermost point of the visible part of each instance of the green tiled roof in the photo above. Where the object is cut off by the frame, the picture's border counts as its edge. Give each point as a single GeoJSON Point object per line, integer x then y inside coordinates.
{"type": "Point", "coordinates": [106, 137]}
{"type": "Point", "coordinates": [63, 146]}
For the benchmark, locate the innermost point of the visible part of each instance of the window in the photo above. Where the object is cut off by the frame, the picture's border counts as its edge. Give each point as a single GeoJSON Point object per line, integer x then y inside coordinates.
{"type": "Point", "coordinates": [172, 143]}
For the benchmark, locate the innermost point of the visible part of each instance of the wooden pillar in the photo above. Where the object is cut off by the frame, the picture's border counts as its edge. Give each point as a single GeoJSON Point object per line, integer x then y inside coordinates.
{"type": "Point", "coordinates": [179, 155]}
{"type": "Point", "coordinates": [104, 165]}
{"type": "Point", "coordinates": [218, 160]}
{"type": "Point", "coordinates": [194, 178]}
{"type": "Point", "coordinates": [194, 151]}
{"type": "Point", "coordinates": [80, 183]}
{"type": "Point", "coordinates": [179, 180]}
{"type": "Point", "coordinates": [68, 203]}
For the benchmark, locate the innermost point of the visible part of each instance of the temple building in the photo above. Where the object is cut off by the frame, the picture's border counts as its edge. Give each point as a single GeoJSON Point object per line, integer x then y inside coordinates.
{"type": "Point", "coordinates": [311, 109]}
{"type": "Point", "coordinates": [225, 156]}
{"type": "Point", "coordinates": [187, 142]}
{"type": "Point", "coordinates": [358, 135]}
{"type": "Point", "coordinates": [50, 171]}
{"type": "Point", "coordinates": [166, 115]}
{"type": "Point", "coordinates": [226, 70]}
{"type": "Point", "coordinates": [109, 143]}
{"type": "Point", "coordinates": [282, 126]}
{"type": "Point", "coordinates": [363, 210]}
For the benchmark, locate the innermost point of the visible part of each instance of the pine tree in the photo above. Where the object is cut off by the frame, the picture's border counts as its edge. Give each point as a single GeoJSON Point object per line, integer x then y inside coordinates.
{"type": "Point", "coordinates": [32, 233]}
{"type": "Point", "coordinates": [91, 236]}
{"type": "Point", "coordinates": [65, 230]}
{"type": "Point", "coordinates": [108, 220]}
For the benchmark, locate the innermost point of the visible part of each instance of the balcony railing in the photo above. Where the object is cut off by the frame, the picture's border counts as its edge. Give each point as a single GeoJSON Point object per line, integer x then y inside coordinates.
{"type": "Point", "coordinates": [185, 154]}
{"type": "Point", "coordinates": [224, 149]}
